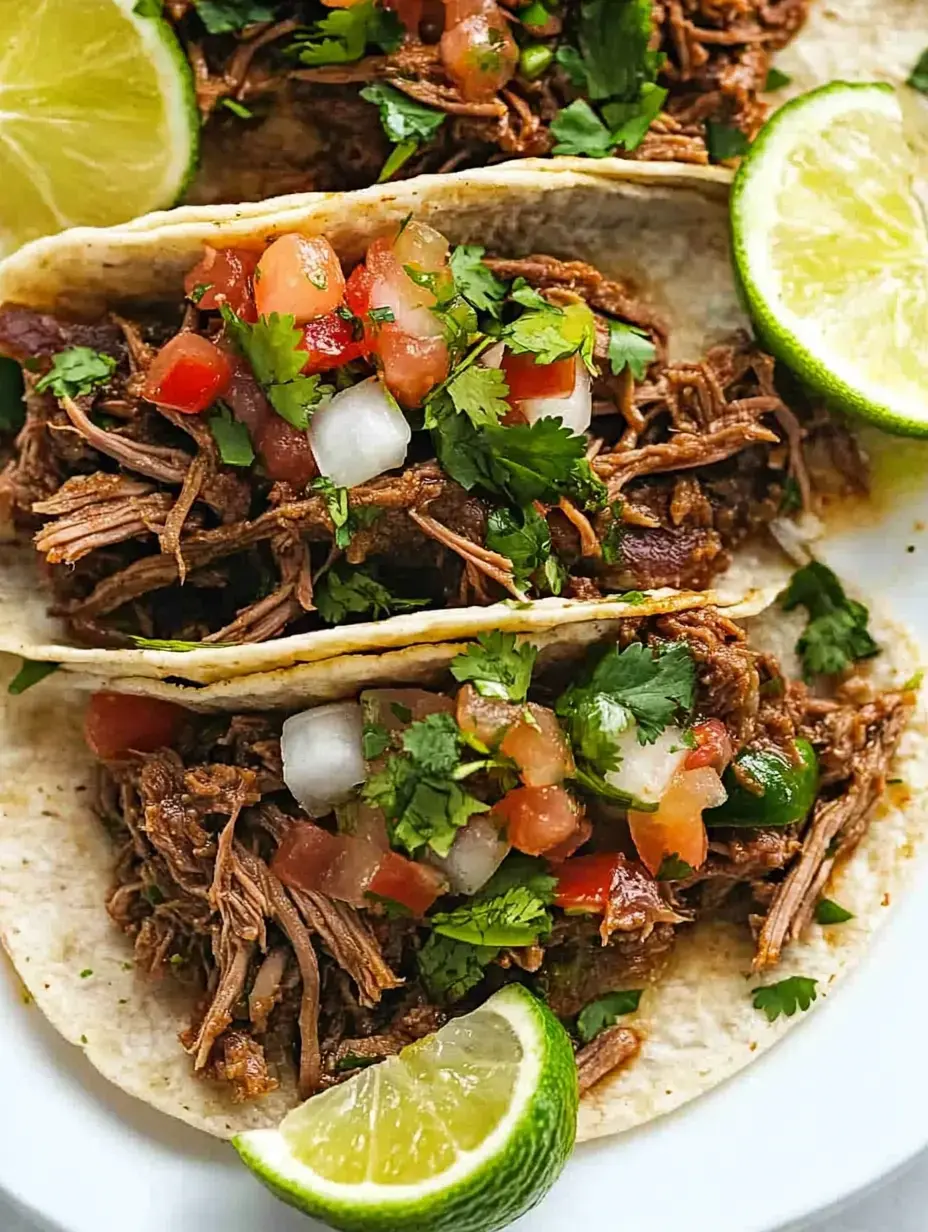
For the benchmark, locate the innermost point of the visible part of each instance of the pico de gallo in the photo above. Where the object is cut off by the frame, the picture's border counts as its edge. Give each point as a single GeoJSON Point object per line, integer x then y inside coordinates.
{"type": "Point", "coordinates": [302, 442]}
{"type": "Point", "coordinates": [337, 94]}
{"type": "Point", "coordinates": [340, 879]}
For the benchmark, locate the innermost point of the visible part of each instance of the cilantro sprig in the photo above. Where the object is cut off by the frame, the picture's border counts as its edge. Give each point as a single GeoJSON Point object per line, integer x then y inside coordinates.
{"type": "Point", "coordinates": [343, 35]}
{"type": "Point", "coordinates": [346, 519]}
{"type": "Point", "coordinates": [450, 969]}
{"type": "Point", "coordinates": [271, 347]}
{"type": "Point", "coordinates": [77, 371]}
{"type": "Point", "coordinates": [476, 282]}
{"type": "Point", "coordinates": [497, 666]}
{"type": "Point", "coordinates": [345, 591]}
{"type": "Point", "coordinates": [785, 997]}
{"type": "Point", "coordinates": [510, 910]}
{"type": "Point", "coordinates": [837, 634]}
{"type": "Point", "coordinates": [524, 537]}
{"type": "Point", "coordinates": [605, 1012]}
{"type": "Point", "coordinates": [407, 124]}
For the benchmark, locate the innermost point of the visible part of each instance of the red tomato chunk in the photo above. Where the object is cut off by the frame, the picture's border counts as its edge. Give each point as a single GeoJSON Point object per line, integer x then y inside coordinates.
{"type": "Point", "coordinates": [188, 374]}
{"type": "Point", "coordinates": [119, 723]}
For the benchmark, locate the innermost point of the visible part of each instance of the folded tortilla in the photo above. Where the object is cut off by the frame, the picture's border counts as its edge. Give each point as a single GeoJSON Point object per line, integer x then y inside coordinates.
{"type": "Point", "coordinates": [697, 1022]}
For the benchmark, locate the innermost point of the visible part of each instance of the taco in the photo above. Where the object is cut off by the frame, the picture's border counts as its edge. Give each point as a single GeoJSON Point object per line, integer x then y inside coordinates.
{"type": "Point", "coordinates": [645, 833]}
{"type": "Point", "coordinates": [414, 429]}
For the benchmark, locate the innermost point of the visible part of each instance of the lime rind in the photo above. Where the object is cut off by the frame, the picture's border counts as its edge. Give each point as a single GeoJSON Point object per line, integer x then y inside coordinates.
{"type": "Point", "coordinates": [884, 239]}
{"type": "Point", "coordinates": [486, 1188]}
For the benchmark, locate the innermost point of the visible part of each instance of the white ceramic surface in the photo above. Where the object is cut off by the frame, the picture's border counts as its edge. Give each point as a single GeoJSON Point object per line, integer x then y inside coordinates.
{"type": "Point", "coordinates": [840, 1103]}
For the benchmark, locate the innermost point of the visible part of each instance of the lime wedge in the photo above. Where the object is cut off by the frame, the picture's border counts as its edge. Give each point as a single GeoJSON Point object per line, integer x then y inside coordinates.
{"type": "Point", "coordinates": [462, 1132]}
{"type": "Point", "coordinates": [831, 247]}
{"type": "Point", "coordinates": [98, 119]}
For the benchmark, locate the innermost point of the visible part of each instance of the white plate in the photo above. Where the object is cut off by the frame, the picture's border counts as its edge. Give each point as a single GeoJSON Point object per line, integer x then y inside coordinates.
{"type": "Point", "coordinates": [840, 1103]}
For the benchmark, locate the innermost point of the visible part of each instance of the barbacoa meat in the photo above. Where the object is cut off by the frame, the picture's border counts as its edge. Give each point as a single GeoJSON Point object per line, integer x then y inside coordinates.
{"type": "Point", "coordinates": [146, 533]}
{"type": "Point", "coordinates": [283, 978]}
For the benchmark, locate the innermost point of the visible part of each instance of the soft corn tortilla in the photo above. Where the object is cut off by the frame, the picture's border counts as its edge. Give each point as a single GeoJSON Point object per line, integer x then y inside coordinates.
{"type": "Point", "coordinates": [662, 227]}
{"type": "Point", "coordinates": [697, 1023]}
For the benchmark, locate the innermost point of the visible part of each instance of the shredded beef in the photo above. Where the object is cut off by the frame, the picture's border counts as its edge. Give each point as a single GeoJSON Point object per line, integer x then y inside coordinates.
{"type": "Point", "coordinates": [609, 1051]}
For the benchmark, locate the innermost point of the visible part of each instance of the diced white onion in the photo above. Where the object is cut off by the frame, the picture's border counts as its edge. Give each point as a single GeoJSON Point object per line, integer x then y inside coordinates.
{"type": "Point", "coordinates": [475, 855]}
{"type": "Point", "coordinates": [645, 770]}
{"type": "Point", "coordinates": [358, 435]}
{"type": "Point", "coordinates": [492, 357]}
{"type": "Point", "coordinates": [323, 755]}
{"type": "Point", "coordinates": [575, 411]}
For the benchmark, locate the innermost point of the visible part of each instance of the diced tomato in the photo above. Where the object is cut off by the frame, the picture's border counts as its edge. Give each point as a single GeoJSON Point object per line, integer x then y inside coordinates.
{"type": "Point", "coordinates": [539, 748]}
{"type": "Point", "coordinates": [539, 819]}
{"type": "Point", "coordinates": [713, 746]}
{"type": "Point", "coordinates": [677, 827]}
{"type": "Point", "coordinates": [486, 718]}
{"type": "Point", "coordinates": [331, 342]}
{"type": "Point", "coordinates": [226, 275]}
{"type": "Point", "coordinates": [285, 451]}
{"type": "Point", "coordinates": [412, 367]}
{"type": "Point", "coordinates": [341, 4]}
{"type": "Point", "coordinates": [311, 859]}
{"type": "Point", "coordinates": [585, 882]}
{"type": "Point", "coordinates": [299, 275]}
{"type": "Point", "coordinates": [358, 290]}
{"type": "Point", "coordinates": [120, 723]}
{"type": "Point", "coordinates": [395, 709]}
{"type": "Point", "coordinates": [479, 53]}
{"type": "Point", "coordinates": [188, 374]}
{"type": "Point", "coordinates": [526, 379]}
{"type": "Point", "coordinates": [563, 851]}
{"type": "Point", "coordinates": [413, 885]}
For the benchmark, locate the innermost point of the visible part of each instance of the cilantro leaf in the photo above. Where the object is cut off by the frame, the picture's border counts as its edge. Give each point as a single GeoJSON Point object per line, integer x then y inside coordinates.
{"type": "Point", "coordinates": [450, 969]}
{"type": "Point", "coordinates": [672, 868]}
{"type": "Point", "coordinates": [524, 537]}
{"type": "Point", "coordinates": [475, 281]}
{"type": "Point", "coordinates": [12, 405]}
{"type": "Point", "coordinates": [551, 333]}
{"type": "Point", "coordinates": [571, 61]}
{"type": "Point", "coordinates": [224, 16]}
{"type": "Point", "coordinates": [343, 35]}
{"type": "Point", "coordinates": [434, 743]}
{"type": "Point", "coordinates": [77, 371]}
{"type": "Point", "coordinates": [605, 1011]}
{"type": "Point", "coordinates": [406, 122]}
{"type": "Point", "coordinates": [614, 37]}
{"type": "Point", "coordinates": [271, 347]}
{"type": "Point", "coordinates": [345, 591]}
{"type": "Point", "coordinates": [630, 121]}
{"type": "Point", "coordinates": [777, 79]}
{"type": "Point", "coordinates": [345, 519]}
{"type": "Point", "coordinates": [534, 461]}
{"type": "Point", "coordinates": [375, 740]}
{"type": "Point", "coordinates": [517, 869]}
{"type": "Point", "coordinates": [461, 449]}
{"type": "Point", "coordinates": [785, 997]}
{"type": "Point", "coordinates": [580, 131]}
{"type": "Point", "coordinates": [497, 666]}
{"type": "Point", "coordinates": [918, 78]}
{"type": "Point", "coordinates": [829, 912]}
{"type": "Point", "coordinates": [837, 633]}
{"type": "Point", "coordinates": [611, 537]}
{"type": "Point", "coordinates": [515, 917]}
{"type": "Point", "coordinates": [724, 141]}
{"type": "Point", "coordinates": [296, 400]}
{"type": "Point", "coordinates": [231, 438]}
{"type": "Point", "coordinates": [31, 671]}
{"type": "Point", "coordinates": [631, 686]}
{"type": "Point", "coordinates": [480, 394]}
{"type": "Point", "coordinates": [630, 347]}
{"type": "Point", "coordinates": [421, 809]}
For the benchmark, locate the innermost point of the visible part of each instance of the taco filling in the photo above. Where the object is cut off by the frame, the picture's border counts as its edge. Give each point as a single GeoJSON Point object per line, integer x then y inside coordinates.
{"type": "Point", "coordinates": [332, 884]}
{"type": "Point", "coordinates": [299, 445]}
{"type": "Point", "coordinates": [328, 96]}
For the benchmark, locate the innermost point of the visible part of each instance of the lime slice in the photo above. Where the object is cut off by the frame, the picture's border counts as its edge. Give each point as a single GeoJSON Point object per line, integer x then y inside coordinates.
{"type": "Point", "coordinates": [831, 247]}
{"type": "Point", "coordinates": [98, 119]}
{"type": "Point", "coordinates": [462, 1132]}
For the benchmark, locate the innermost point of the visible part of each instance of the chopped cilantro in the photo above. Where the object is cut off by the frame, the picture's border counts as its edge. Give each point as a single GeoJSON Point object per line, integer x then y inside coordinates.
{"type": "Point", "coordinates": [580, 131]}
{"type": "Point", "coordinates": [551, 333]}
{"type": "Point", "coordinates": [571, 61]}
{"type": "Point", "coordinates": [915, 680]}
{"type": "Point", "coordinates": [345, 591]}
{"type": "Point", "coordinates": [791, 500]}
{"type": "Point", "coordinates": [77, 371]}
{"type": "Point", "coordinates": [199, 291]}
{"type": "Point", "coordinates": [827, 911]}
{"type": "Point", "coordinates": [345, 519]}
{"type": "Point", "coordinates": [375, 740]}
{"type": "Point", "coordinates": [524, 537]}
{"type": "Point", "coordinates": [12, 406]}
{"type": "Point", "coordinates": [515, 917]}
{"type": "Point", "coordinates": [30, 672]}
{"type": "Point", "coordinates": [271, 347]}
{"type": "Point", "coordinates": [451, 969]}
{"type": "Point", "coordinates": [237, 108]}
{"type": "Point", "coordinates": [351, 1060]}
{"type": "Point", "coordinates": [401, 712]}
{"type": "Point", "coordinates": [480, 394]}
{"type": "Point", "coordinates": [918, 78]}
{"type": "Point", "coordinates": [434, 743]}
{"type": "Point", "coordinates": [630, 347]}
{"type": "Point", "coordinates": [406, 122]}
{"type": "Point", "coordinates": [672, 868]}
{"type": "Point", "coordinates": [497, 666]}
{"type": "Point", "coordinates": [531, 872]}
{"type": "Point", "coordinates": [231, 437]}
{"type": "Point", "coordinates": [86, 973]}
{"type": "Point", "coordinates": [777, 79]}
{"type": "Point", "coordinates": [381, 316]}
{"type": "Point", "coordinates": [785, 997]}
{"type": "Point", "coordinates": [725, 141]}
{"type": "Point", "coordinates": [630, 122]}
{"type": "Point", "coordinates": [614, 37]}
{"type": "Point", "coordinates": [604, 1011]}
{"type": "Point", "coordinates": [475, 281]}
{"type": "Point", "coordinates": [343, 35]}
{"type": "Point", "coordinates": [837, 633]}
{"type": "Point", "coordinates": [224, 16]}
{"type": "Point", "coordinates": [634, 685]}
